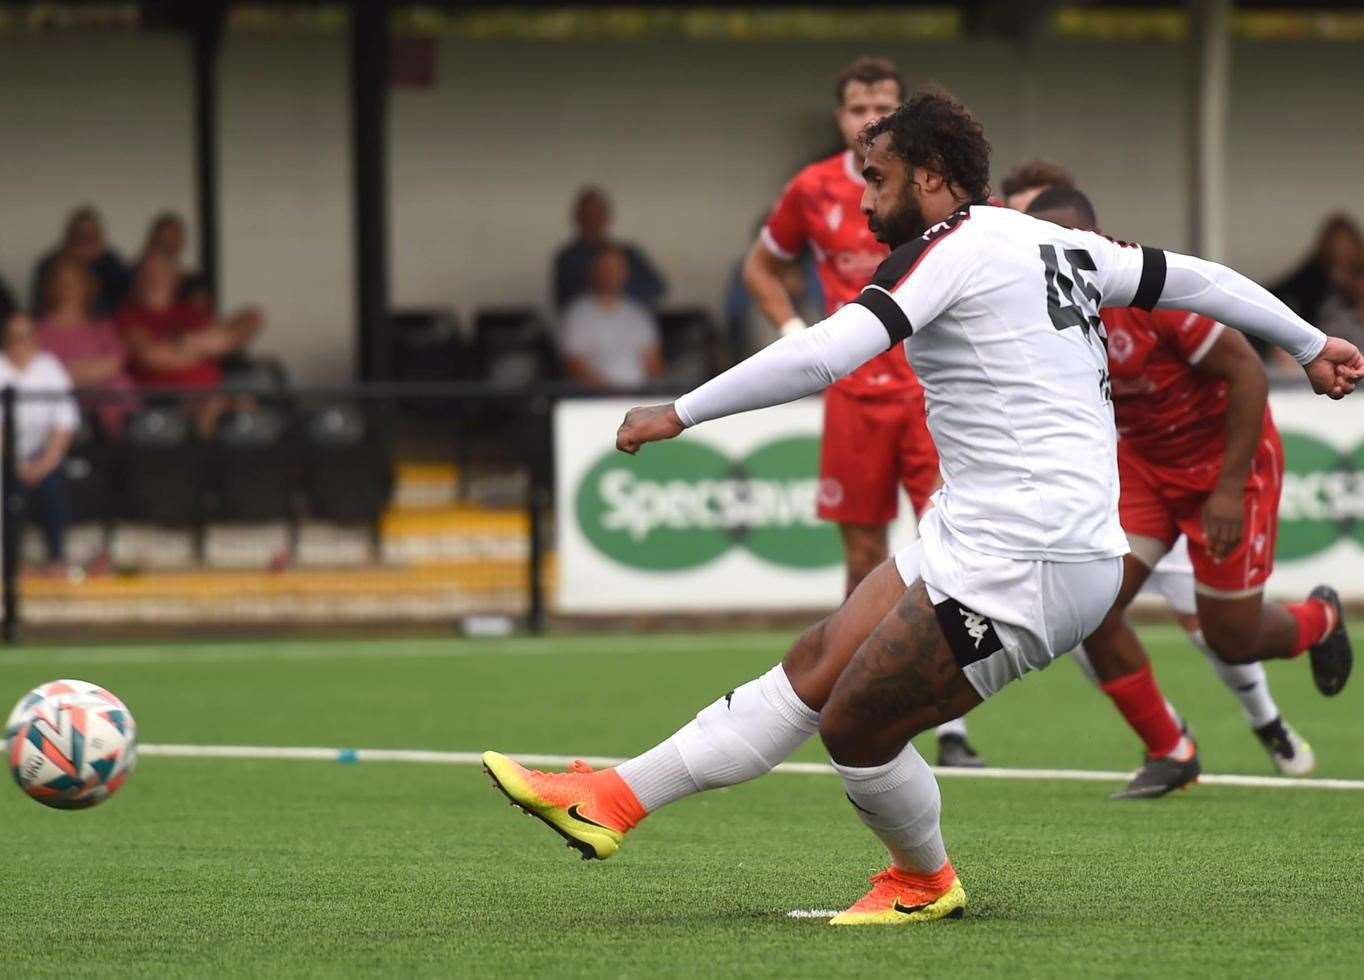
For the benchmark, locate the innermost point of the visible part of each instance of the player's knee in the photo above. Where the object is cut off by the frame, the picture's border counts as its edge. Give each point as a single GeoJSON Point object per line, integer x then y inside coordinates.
{"type": "Point", "coordinates": [840, 733]}
{"type": "Point", "coordinates": [805, 666]}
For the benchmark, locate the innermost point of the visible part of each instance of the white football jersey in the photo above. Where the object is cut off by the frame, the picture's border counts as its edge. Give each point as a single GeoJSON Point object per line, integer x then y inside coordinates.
{"type": "Point", "coordinates": [1000, 316]}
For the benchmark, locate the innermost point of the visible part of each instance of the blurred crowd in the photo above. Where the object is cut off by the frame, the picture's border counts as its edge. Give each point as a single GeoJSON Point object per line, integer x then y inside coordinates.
{"type": "Point", "coordinates": [607, 292]}
{"type": "Point", "coordinates": [97, 337]}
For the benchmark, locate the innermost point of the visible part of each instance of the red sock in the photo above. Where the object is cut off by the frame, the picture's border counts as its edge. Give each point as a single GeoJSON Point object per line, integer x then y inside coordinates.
{"type": "Point", "coordinates": [1139, 699]}
{"type": "Point", "coordinates": [1314, 619]}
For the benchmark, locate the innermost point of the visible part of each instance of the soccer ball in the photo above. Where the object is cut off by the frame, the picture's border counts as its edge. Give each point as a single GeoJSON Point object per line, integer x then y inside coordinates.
{"type": "Point", "coordinates": [70, 744]}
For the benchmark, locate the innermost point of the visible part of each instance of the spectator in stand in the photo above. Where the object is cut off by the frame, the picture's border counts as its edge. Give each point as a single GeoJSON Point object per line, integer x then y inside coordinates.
{"type": "Point", "coordinates": [84, 241]}
{"type": "Point", "coordinates": [1342, 314]}
{"type": "Point", "coordinates": [7, 304]}
{"type": "Point", "coordinates": [86, 343]}
{"type": "Point", "coordinates": [609, 339]}
{"type": "Point", "coordinates": [1031, 177]}
{"type": "Point", "coordinates": [45, 422]}
{"type": "Point", "coordinates": [178, 344]}
{"type": "Point", "coordinates": [1338, 249]}
{"type": "Point", "coordinates": [166, 237]}
{"type": "Point", "coordinates": [573, 262]}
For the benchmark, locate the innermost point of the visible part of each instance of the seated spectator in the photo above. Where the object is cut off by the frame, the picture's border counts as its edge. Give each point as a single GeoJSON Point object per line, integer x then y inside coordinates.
{"type": "Point", "coordinates": [84, 241]}
{"type": "Point", "coordinates": [177, 344]}
{"type": "Point", "coordinates": [45, 422]}
{"type": "Point", "coordinates": [1342, 314]}
{"type": "Point", "coordinates": [573, 262]}
{"type": "Point", "coordinates": [1338, 249]}
{"type": "Point", "coordinates": [88, 345]}
{"type": "Point", "coordinates": [7, 304]}
{"type": "Point", "coordinates": [166, 236]}
{"type": "Point", "coordinates": [608, 339]}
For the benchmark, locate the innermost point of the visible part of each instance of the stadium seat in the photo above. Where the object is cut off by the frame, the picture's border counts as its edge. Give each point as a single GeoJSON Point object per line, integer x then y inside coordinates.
{"type": "Point", "coordinates": [89, 468]}
{"type": "Point", "coordinates": [162, 471]}
{"type": "Point", "coordinates": [348, 466]}
{"type": "Point", "coordinates": [690, 340]}
{"type": "Point", "coordinates": [254, 467]}
{"type": "Point", "coordinates": [513, 346]}
{"type": "Point", "coordinates": [256, 375]}
{"type": "Point", "coordinates": [428, 346]}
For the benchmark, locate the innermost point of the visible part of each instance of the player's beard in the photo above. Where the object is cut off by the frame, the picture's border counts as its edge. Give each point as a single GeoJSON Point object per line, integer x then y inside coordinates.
{"type": "Point", "coordinates": [904, 224]}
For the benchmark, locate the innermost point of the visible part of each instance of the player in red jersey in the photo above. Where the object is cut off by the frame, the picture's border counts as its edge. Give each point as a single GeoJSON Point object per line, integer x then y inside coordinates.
{"type": "Point", "coordinates": [1198, 454]}
{"type": "Point", "coordinates": [875, 427]}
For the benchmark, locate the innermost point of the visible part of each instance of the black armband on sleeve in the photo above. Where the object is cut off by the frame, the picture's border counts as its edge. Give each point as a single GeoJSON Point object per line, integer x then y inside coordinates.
{"type": "Point", "coordinates": [885, 309]}
{"type": "Point", "coordinates": [1152, 282]}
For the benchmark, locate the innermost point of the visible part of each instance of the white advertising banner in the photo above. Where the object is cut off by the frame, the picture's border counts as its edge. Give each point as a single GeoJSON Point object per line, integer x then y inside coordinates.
{"type": "Point", "coordinates": [1321, 514]}
{"type": "Point", "coordinates": [721, 519]}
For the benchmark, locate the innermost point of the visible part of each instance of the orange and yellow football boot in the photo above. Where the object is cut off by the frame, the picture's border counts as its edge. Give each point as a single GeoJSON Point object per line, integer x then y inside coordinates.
{"type": "Point", "coordinates": [899, 898]}
{"type": "Point", "coordinates": [592, 811]}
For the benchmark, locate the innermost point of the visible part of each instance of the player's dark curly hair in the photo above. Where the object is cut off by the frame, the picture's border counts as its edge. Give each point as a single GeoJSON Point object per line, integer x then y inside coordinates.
{"type": "Point", "coordinates": [934, 130]}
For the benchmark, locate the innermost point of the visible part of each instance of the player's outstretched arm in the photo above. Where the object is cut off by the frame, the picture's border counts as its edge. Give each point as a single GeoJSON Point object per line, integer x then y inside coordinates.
{"type": "Point", "coordinates": [1333, 366]}
{"type": "Point", "coordinates": [792, 367]}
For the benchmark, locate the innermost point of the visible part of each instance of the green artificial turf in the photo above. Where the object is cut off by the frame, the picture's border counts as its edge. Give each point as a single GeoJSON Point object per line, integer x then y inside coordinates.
{"type": "Point", "coordinates": [273, 868]}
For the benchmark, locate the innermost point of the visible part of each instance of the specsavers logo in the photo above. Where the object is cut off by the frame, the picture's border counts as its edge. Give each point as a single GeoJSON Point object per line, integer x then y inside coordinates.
{"type": "Point", "coordinates": [1323, 497]}
{"type": "Point", "coordinates": [682, 504]}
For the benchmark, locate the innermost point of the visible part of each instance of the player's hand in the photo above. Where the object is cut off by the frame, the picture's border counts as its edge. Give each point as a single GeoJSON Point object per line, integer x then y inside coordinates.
{"type": "Point", "coordinates": [1223, 523]}
{"type": "Point", "coordinates": [649, 423]}
{"type": "Point", "coordinates": [1337, 369]}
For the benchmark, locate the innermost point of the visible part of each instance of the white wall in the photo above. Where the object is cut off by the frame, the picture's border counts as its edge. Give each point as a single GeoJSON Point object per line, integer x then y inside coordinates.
{"type": "Point", "coordinates": [694, 140]}
{"type": "Point", "coordinates": [88, 119]}
{"type": "Point", "coordinates": [285, 207]}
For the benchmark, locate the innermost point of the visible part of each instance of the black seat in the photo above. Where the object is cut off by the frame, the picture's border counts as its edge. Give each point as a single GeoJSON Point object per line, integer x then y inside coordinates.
{"type": "Point", "coordinates": [162, 471]}
{"type": "Point", "coordinates": [254, 466]}
{"type": "Point", "coordinates": [89, 468]}
{"type": "Point", "coordinates": [254, 374]}
{"type": "Point", "coordinates": [428, 346]}
{"type": "Point", "coordinates": [348, 466]}
{"type": "Point", "coordinates": [689, 341]}
{"type": "Point", "coordinates": [513, 346]}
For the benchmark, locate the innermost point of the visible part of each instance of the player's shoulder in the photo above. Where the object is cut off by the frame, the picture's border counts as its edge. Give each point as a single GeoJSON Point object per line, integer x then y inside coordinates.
{"type": "Point", "coordinates": [900, 262]}
{"type": "Point", "coordinates": [838, 168]}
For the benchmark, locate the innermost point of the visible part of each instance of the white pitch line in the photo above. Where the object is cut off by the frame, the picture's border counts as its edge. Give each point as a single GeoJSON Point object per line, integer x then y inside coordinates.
{"type": "Point", "coordinates": [797, 768]}
{"type": "Point", "coordinates": [811, 913]}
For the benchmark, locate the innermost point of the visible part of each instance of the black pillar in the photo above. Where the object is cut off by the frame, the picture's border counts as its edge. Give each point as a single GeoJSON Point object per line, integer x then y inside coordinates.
{"type": "Point", "coordinates": [369, 141]}
{"type": "Point", "coordinates": [206, 33]}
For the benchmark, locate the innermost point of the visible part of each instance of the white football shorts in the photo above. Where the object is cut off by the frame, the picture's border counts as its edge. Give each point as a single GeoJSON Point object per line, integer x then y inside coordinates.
{"type": "Point", "coordinates": [1004, 617]}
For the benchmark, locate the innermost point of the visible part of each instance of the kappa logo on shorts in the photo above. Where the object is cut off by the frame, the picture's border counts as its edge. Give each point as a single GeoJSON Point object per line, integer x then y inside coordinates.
{"type": "Point", "coordinates": [975, 625]}
{"type": "Point", "coordinates": [970, 635]}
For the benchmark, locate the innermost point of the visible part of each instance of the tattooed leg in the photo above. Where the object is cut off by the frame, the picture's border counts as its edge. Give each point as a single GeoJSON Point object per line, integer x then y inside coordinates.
{"type": "Point", "coordinates": [902, 680]}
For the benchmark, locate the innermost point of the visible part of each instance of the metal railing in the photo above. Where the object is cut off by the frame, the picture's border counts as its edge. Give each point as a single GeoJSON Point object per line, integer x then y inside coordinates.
{"type": "Point", "coordinates": [461, 533]}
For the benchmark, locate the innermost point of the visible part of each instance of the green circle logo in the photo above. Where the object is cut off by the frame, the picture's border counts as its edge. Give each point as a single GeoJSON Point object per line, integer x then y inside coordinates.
{"type": "Point", "coordinates": [1323, 496]}
{"type": "Point", "coordinates": [682, 504]}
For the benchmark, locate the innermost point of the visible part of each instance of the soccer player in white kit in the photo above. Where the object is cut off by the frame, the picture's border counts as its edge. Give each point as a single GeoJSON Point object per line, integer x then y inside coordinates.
{"type": "Point", "coordinates": [1020, 558]}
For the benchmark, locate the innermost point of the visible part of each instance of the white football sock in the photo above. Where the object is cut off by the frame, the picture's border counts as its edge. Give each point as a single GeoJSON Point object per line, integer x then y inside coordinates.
{"type": "Point", "coordinates": [739, 737]}
{"type": "Point", "coordinates": [955, 727]}
{"type": "Point", "coordinates": [901, 804]}
{"type": "Point", "coordinates": [1248, 682]}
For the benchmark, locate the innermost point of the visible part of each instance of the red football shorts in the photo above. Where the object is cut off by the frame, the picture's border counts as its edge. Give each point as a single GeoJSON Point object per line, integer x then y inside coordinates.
{"type": "Point", "coordinates": [871, 448]}
{"type": "Point", "coordinates": [1161, 501]}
